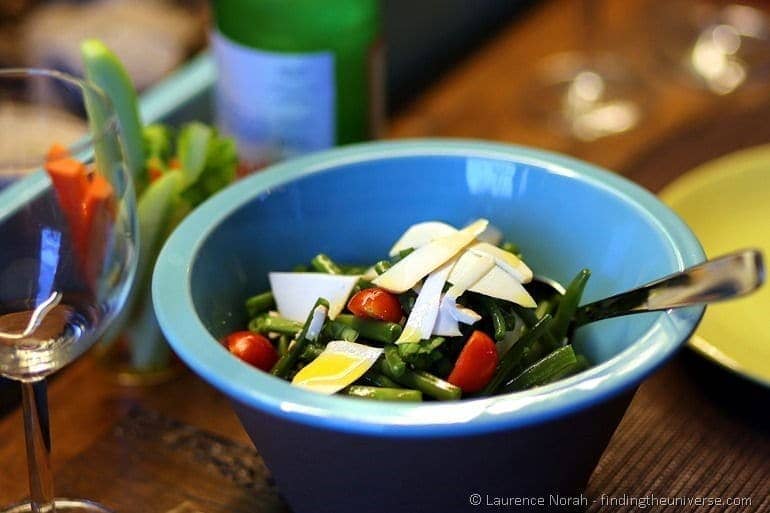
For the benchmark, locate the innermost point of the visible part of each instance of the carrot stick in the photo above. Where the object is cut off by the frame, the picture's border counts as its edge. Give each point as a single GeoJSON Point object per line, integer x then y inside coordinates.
{"type": "Point", "coordinates": [57, 151]}
{"type": "Point", "coordinates": [98, 215]}
{"type": "Point", "coordinates": [70, 180]}
{"type": "Point", "coordinates": [88, 206]}
{"type": "Point", "coordinates": [71, 185]}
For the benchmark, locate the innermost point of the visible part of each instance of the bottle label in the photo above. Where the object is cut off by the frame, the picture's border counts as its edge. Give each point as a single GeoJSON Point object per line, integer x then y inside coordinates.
{"type": "Point", "coordinates": [276, 105]}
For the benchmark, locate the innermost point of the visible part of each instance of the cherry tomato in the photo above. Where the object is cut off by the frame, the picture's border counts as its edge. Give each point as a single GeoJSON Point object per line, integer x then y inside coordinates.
{"type": "Point", "coordinates": [375, 303]}
{"type": "Point", "coordinates": [252, 348]}
{"type": "Point", "coordinates": [476, 364]}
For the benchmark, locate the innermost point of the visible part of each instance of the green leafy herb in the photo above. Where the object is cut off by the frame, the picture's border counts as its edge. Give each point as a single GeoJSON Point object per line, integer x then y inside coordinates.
{"type": "Point", "coordinates": [423, 354]}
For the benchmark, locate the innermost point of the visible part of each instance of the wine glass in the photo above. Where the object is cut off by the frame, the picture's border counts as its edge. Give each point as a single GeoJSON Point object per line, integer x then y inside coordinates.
{"type": "Point", "coordinates": [67, 244]}
{"type": "Point", "coordinates": [588, 93]}
{"type": "Point", "coordinates": [720, 46]}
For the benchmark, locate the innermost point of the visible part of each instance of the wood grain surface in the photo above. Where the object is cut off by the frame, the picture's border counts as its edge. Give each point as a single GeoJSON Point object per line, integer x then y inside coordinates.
{"type": "Point", "coordinates": [148, 462]}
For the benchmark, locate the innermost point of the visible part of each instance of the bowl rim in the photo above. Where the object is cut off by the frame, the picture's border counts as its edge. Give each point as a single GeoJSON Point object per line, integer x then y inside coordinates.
{"type": "Point", "coordinates": [244, 384]}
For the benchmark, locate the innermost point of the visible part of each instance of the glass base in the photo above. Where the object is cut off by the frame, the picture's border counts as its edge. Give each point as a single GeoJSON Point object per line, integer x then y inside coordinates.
{"type": "Point", "coordinates": [586, 98]}
{"type": "Point", "coordinates": [62, 506]}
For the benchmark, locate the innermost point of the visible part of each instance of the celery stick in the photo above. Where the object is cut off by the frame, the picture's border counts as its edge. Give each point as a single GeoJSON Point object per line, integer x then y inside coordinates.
{"type": "Point", "coordinates": [105, 70]}
{"type": "Point", "coordinates": [155, 208]}
{"type": "Point", "coordinates": [192, 148]}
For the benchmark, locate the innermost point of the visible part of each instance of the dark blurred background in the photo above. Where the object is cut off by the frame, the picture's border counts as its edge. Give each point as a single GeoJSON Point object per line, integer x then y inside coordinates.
{"type": "Point", "coordinates": [423, 38]}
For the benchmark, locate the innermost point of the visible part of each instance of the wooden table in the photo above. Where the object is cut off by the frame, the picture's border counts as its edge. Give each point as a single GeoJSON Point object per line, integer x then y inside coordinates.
{"type": "Point", "coordinates": [692, 429]}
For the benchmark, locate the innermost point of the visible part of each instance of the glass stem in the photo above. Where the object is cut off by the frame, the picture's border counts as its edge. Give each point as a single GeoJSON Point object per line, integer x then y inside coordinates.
{"type": "Point", "coordinates": [38, 437]}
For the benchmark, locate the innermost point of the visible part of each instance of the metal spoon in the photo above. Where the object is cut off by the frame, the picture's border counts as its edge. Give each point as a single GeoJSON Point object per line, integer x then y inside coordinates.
{"type": "Point", "coordinates": [725, 277]}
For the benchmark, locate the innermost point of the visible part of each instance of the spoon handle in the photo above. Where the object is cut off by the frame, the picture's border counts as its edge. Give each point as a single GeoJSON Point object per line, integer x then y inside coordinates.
{"type": "Point", "coordinates": [725, 277]}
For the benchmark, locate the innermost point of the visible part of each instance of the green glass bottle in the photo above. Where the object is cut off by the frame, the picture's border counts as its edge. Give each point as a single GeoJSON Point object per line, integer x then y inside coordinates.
{"type": "Point", "coordinates": [296, 76]}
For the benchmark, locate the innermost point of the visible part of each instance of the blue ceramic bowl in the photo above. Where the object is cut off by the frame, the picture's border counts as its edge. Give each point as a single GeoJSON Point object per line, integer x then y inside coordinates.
{"type": "Point", "coordinates": [337, 454]}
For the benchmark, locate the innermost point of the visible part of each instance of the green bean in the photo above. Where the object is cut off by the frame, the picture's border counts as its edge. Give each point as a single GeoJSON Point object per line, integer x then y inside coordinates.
{"type": "Point", "coordinates": [384, 394]}
{"type": "Point", "coordinates": [530, 318]}
{"type": "Point", "coordinates": [393, 360]}
{"type": "Point", "coordinates": [283, 345]}
{"type": "Point", "coordinates": [496, 314]}
{"type": "Point", "coordinates": [510, 247]}
{"type": "Point", "coordinates": [334, 330]}
{"type": "Point", "coordinates": [401, 255]}
{"type": "Point", "coordinates": [272, 324]}
{"type": "Point", "coordinates": [423, 381]}
{"type": "Point", "coordinates": [431, 385]}
{"type": "Point", "coordinates": [544, 307]}
{"type": "Point", "coordinates": [323, 264]}
{"type": "Point", "coordinates": [511, 358]}
{"type": "Point", "coordinates": [407, 301]}
{"type": "Point", "coordinates": [420, 362]}
{"type": "Point", "coordinates": [568, 305]}
{"type": "Point", "coordinates": [548, 369]}
{"type": "Point", "coordinates": [260, 303]}
{"type": "Point", "coordinates": [569, 370]}
{"type": "Point", "coordinates": [310, 352]}
{"type": "Point", "coordinates": [525, 314]}
{"type": "Point", "coordinates": [287, 361]}
{"type": "Point", "coordinates": [536, 351]}
{"type": "Point", "coordinates": [379, 380]}
{"type": "Point", "coordinates": [378, 331]}
{"type": "Point", "coordinates": [382, 266]}
{"type": "Point", "coordinates": [422, 354]}
{"type": "Point", "coordinates": [300, 268]}
{"type": "Point", "coordinates": [511, 319]}
{"type": "Point", "coordinates": [580, 365]}
{"type": "Point", "coordinates": [353, 270]}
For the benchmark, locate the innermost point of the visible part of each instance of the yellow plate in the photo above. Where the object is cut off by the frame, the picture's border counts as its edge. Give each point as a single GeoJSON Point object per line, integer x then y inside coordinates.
{"type": "Point", "coordinates": [727, 204]}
